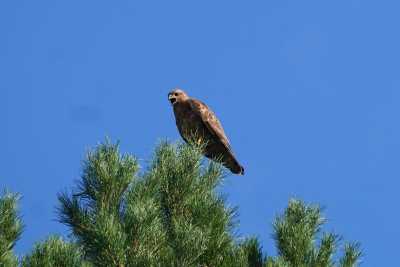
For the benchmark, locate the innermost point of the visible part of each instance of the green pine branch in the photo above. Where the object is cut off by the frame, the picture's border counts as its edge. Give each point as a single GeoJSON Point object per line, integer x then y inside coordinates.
{"type": "Point", "coordinates": [170, 214]}
{"type": "Point", "coordinates": [10, 228]}
{"type": "Point", "coordinates": [55, 252]}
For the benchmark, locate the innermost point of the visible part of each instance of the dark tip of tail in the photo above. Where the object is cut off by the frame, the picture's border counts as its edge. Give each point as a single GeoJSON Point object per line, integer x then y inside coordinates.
{"type": "Point", "coordinates": [241, 170]}
{"type": "Point", "coordinates": [238, 170]}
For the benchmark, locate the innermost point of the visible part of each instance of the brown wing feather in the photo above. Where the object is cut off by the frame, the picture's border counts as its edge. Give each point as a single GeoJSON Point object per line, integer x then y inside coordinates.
{"type": "Point", "coordinates": [200, 117]}
{"type": "Point", "coordinates": [214, 127]}
{"type": "Point", "coordinates": [210, 120]}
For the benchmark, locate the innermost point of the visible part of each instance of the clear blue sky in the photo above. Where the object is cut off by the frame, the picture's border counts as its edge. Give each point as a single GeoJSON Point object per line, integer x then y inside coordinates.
{"type": "Point", "coordinates": [308, 92]}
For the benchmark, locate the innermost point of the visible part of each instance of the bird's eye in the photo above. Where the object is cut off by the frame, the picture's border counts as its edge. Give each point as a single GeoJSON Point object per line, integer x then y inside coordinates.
{"type": "Point", "coordinates": [176, 94]}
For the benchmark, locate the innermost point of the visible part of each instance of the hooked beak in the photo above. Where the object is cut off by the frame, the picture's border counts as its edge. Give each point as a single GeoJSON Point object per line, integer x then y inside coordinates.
{"type": "Point", "coordinates": [171, 99]}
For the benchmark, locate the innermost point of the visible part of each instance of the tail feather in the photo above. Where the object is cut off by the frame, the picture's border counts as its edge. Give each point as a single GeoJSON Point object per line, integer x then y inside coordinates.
{"type": "Point", "coordinates": [234, 166]}
{"type": "Point", "coordinates": [221, 154]}
{"type": "Point", "coordinates": [237, 169]}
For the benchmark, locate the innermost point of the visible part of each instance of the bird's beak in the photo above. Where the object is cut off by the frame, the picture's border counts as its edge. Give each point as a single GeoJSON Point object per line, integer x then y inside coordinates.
{"type": "Point", "coordinates": [171, 98]}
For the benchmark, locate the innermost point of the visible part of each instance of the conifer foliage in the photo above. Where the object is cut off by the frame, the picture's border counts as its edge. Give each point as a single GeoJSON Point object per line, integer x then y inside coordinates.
{"type": "Point", "coordinates": [296, 233]}
{"type": "Point", "coordinates": [169, 214]}
{"type": "Point", "coordinates": [55, 252]}
{"type": "Point", "coordinates": [10, 228]}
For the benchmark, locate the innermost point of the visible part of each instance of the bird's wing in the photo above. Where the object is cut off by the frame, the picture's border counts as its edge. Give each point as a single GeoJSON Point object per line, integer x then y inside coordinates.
{"type": "Point", "coordinates": [210, 120]}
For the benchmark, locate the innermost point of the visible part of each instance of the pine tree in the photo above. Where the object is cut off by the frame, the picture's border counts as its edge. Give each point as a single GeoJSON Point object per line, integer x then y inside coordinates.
{"type": "Point", "coordinates": [55, 252]}
{"type": "Point", "coordinates": [10, 228]}
{"type": "Point", "coordinates": [295, 234]}
{"type": "Point", "coordinates": [169, 214]}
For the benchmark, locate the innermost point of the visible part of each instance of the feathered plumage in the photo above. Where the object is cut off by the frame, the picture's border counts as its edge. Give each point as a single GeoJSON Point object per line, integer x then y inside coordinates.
{"type": "Point", "coordinates": [195, 119]}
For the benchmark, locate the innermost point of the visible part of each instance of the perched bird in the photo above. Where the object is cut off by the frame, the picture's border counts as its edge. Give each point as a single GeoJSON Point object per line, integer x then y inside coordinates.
{"type": "Point", "coordinates": [197, 122]}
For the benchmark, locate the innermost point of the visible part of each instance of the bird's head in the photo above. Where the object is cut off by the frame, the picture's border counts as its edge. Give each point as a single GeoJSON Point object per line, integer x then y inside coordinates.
{"type": "Point", "coordinates": [177, 96]}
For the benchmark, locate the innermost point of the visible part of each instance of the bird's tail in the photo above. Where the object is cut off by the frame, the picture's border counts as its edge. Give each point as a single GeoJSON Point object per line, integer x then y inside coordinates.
{"type": "Point", "coordinates": [237, 169]}
{"type": "Point", "coordinates": [234, 166]}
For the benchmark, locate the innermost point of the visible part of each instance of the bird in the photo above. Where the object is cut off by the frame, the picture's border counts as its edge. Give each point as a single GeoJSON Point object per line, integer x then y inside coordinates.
{"type": "Point", "coordinates": [196, 122]}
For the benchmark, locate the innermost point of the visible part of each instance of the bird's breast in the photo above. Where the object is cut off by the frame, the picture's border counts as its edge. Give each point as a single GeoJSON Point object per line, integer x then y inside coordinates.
{"type": "Point", "coordinates": [187, 121]}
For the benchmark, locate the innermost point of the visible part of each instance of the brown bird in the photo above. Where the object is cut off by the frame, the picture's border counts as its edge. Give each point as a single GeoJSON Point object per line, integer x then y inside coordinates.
{"type": "Point", "coordinates": [195, 120]}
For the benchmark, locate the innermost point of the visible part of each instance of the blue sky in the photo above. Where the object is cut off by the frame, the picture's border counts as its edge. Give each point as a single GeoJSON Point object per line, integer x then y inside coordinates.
{"type": "Point", "coordinates": [308, 92]}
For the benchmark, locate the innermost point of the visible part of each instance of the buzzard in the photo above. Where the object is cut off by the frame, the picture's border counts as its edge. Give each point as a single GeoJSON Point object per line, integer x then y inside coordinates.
{"type": "Point", "coordinates": [195, 119]}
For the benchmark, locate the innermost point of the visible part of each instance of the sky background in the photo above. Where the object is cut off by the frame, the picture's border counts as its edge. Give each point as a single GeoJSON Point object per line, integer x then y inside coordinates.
{"type": "Point", "coordinates": [308, 93]}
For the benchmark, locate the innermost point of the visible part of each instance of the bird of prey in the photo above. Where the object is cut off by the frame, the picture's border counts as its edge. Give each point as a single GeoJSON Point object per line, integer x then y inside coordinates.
{"type": "Point", "coordinates": [197, 122]}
